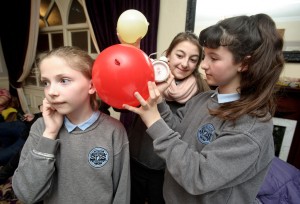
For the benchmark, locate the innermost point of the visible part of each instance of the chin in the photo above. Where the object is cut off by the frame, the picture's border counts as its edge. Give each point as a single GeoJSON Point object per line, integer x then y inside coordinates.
{"type": "Point", "coordinates": [63, 111]}
{"type": "Point", "coordinates": [179, 77]}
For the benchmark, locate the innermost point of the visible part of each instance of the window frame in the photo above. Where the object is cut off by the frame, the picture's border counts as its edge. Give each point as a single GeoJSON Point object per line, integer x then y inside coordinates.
{"type": "Point", "coordinates": [64, 7]}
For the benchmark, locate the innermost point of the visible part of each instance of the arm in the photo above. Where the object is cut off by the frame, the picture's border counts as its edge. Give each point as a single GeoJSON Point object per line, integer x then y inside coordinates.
{"type": "Point", "coordinates": [121, 170]}
{"type": "Point", "coordinates": [33, 178]}
{"type": "Point", "coordinates": [28, 117]}
{"type": "Point", "coordinates": [173, 119]}
{"type": "Point", "coordinates": [227, 161]}
{"type": "Point", "coordinates": [218, 165]}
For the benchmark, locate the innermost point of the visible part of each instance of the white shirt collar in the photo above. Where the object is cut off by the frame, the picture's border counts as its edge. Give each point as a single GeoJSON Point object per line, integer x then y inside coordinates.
{"type": "Point", "coordinates": [83, 126]}
{"type": "Point", "coordinates": [225, 98]}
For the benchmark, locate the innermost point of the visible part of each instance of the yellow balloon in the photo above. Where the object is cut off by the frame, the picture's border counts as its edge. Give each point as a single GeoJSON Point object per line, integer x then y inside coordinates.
{"type": "Point", "coordinates": [131, 25]}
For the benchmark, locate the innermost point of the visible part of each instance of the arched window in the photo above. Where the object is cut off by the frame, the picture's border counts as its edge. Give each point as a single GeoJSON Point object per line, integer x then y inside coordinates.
{"type": "Point", "coordinates": [62, 22]}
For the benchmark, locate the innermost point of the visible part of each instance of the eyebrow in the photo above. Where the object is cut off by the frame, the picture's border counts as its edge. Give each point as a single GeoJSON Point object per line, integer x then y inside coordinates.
{"type": "Point", "coordinates": [191, 55]}
{"type": "Point", "coordinates": [210, 53]}
{"type": "Point", "coordinates": [57, 76]}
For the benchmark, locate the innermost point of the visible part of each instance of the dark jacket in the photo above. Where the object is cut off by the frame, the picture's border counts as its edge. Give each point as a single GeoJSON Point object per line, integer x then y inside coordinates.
{"type": "Point", "coordinates": [281, 185]}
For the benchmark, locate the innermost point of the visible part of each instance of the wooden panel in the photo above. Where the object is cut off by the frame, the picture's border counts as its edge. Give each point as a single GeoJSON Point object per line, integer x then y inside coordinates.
{"type": "Point", "coordinates": [288, 100]}
{"type": "Point", "coordinates": [34, 97]}
{"type": "Point", "coordinates": [4, 82]}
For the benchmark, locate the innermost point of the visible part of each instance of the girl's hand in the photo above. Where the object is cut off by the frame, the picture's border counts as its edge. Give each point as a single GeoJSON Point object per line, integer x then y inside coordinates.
{"type": "Point", "coordinates": [28, 117]}
{"type": "Point", "coordinates": [53, 120]}
{"type": "Point", "coordinates": [148, 109]}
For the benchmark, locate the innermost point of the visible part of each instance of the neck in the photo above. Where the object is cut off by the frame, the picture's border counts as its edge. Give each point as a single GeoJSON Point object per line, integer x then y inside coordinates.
{"type": "Point", "coordinates": [222, 90]}
{"type": "Point", "coordinates": [80, 115]}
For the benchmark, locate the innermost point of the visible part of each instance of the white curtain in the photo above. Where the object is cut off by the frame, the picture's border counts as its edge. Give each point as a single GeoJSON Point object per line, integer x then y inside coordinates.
{"type": "Point", "coordinates": [83, 3]}
{"type": "Point", "coordinates": [31, 50]}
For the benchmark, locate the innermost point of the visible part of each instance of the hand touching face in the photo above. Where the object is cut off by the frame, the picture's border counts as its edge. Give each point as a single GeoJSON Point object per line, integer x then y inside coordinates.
{"type": "Point", "coordinates": [67, 90]}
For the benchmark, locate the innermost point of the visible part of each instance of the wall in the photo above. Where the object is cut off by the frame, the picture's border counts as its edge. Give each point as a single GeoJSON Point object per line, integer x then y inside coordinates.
{"type": "Point", "coordinates": [171, 21]}
{"type": "Point", "coordinates": [291, 42]}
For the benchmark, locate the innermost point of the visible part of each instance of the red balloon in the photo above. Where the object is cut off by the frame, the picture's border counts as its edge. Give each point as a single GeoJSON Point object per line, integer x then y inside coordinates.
{"type": "Point", "coordinates": [119, 71]}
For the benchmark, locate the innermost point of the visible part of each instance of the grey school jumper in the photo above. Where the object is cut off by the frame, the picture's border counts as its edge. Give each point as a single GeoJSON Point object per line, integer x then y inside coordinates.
{"type": "Point", "coordinates": [81, 167]}
{"type": "Point", "coordinates": [141, 144]}
{"type": "Point", "coordinates": [209, 160]}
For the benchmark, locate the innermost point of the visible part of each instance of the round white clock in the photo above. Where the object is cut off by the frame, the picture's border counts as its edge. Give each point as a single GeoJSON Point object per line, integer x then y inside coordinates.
{"type": "Point", "coordinates": [161, 70]}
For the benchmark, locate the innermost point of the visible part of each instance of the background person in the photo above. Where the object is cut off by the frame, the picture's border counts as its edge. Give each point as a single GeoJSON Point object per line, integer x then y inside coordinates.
{"type": "Point", "coordinates": [147, 168]}
{"type": "Point", "coordinates": [19, 131]}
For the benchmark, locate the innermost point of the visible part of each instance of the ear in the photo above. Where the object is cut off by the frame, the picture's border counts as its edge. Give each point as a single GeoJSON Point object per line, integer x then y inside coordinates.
{"type": "Point", "coordinates": [92, 88]}
{"type": "Point", "coordinates": [244, 64]}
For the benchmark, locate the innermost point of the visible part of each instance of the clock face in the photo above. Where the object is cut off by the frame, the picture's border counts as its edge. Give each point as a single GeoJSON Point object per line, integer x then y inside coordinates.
{"type": "Point", "coordinates": [161, 70]}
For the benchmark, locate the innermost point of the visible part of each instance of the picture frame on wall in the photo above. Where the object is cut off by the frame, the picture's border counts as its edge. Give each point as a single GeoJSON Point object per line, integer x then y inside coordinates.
{"type": "Point", "coordinates": [283, 134]}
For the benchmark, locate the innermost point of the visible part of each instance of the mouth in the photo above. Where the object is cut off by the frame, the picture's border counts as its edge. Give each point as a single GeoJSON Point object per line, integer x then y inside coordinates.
{"type": "Point", "coordinates": [207, 76]}
{"type": "Point", "coordinates": [182, 69]}
{"type": "Point", "coordinates": [57, 103]}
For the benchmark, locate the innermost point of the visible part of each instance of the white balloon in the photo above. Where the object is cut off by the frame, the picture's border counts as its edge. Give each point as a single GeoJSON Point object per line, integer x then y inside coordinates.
{"type": "Point", "coordinates": [131, 25]}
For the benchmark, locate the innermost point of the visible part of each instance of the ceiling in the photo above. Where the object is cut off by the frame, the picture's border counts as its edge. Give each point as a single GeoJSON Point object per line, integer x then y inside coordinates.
{"type": "Point", "coordinates": [213, 11]}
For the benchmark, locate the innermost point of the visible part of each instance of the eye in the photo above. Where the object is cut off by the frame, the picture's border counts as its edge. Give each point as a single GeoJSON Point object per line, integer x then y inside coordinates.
{"type": "Point", "coordinates": [179, 56]}
{"type": "Point", "coordinates": [213, 57]}
{"type": "Point", "coordinates": [45, 83]}
{"type": "Point", "coordinates": [65, 81]}
{"type": "Point", "coordinates": [194, 60]}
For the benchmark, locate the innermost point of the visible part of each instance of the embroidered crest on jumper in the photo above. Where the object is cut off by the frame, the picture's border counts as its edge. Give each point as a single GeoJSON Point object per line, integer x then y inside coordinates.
{"type": "Point", "coordinates": [98, 157]}
{"type": "Point", "coordinates": [205, 133]}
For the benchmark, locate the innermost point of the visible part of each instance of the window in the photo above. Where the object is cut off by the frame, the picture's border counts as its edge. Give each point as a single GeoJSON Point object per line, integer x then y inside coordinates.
{"type": "Point", "coordinates": [62, 22]}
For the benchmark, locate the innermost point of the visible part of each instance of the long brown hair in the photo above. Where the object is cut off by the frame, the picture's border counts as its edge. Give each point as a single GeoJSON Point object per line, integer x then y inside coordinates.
{"type": "Point", "coordinates": [191, 37]}
{"type": "Point", "coordinates": [254, 41]}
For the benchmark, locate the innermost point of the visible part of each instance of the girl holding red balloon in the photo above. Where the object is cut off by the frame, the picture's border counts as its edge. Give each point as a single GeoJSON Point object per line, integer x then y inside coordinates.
{"type": "Point", "coordinates": [219, 146]}
{"type": "Point", "coordinates": [74, 153]}
{"type": "Point", "coordinates": [147, 168]}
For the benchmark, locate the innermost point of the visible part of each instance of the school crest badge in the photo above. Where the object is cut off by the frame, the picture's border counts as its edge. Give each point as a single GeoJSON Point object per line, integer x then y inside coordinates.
{"type": "Point", "coordinates": [98, 157]}
{"type": "Point", "coordinates": [205, 133]}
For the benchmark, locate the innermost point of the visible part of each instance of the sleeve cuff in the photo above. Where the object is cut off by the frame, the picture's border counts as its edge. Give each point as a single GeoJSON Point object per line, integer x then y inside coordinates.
{"type": "Point", "coordinates": [47, 146]}
{"type": "Point", "coordinates": [162, 106]}
{"type": "Point", "coordinates": [159, 129]}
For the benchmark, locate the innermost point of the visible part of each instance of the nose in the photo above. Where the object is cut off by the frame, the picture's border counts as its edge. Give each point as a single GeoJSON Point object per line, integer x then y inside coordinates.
{"type": "Point", "coordinates": [203, 64]}
{"type": "Point", "coordinates": [184, 62]}
{"type": "Point", "coordinates": [52, 90]}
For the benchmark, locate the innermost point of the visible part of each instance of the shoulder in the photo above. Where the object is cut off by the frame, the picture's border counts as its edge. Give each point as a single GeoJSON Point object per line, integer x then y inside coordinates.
{"type": "Point", "coordinates": [258, 131]}
{"type": "Point", "coordinates": [201, 98]}
{"type": "Point", "coordinates": [108, 124]}
{"type": "Point", "coordinates": [251, 125]}
{"type": "Point", "coordinates": [110, 121]}
{"type": "Point", "coordinates": [254, 124]}
{"type": "Point", "coordinates": [204, 95]}
{"type": "Point", "coordinates": [112, 128]}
